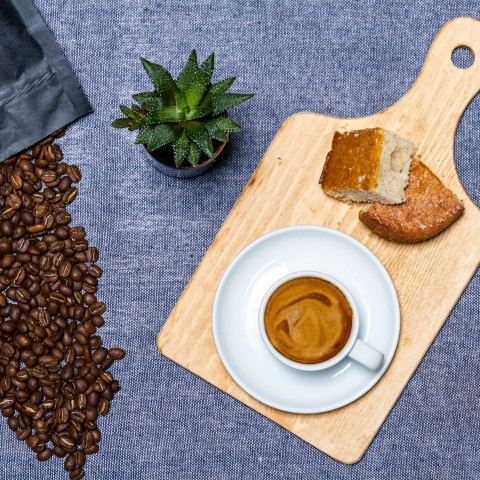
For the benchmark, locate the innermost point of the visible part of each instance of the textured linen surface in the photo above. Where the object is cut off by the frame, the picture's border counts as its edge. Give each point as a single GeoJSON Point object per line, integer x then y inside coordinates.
{"type": "Point", "coordinates": [339, 58]}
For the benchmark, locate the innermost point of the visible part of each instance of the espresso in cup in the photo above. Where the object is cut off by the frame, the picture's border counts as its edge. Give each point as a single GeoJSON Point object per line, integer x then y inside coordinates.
{"type": "Point", "coordinates": [308, 320]}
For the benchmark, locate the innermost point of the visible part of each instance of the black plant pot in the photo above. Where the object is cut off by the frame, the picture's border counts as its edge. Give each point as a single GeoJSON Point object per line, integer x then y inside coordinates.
{"type": "Point", "coordinates": [163, 160]}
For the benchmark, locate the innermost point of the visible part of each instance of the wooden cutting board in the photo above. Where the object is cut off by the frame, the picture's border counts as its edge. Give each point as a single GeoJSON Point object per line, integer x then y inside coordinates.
{"type": "Point", "coordinates": [284, 190]}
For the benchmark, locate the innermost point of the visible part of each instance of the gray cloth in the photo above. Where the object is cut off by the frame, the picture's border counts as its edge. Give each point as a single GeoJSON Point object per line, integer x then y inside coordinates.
{"type": "Point", "coordinates": [38, 91]}
{"type": "Point", "coordinates": [338, 58]}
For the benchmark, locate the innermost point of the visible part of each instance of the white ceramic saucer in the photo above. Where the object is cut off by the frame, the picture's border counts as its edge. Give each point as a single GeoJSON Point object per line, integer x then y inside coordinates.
{"type": "Point", "coordinates": [239, 295]}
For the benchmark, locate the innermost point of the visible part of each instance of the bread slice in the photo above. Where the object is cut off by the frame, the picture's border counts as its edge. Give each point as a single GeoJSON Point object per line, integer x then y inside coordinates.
{"type": "Point", "coordinates": [430, 208]}
{"type": "Point", "coordinates": [367, 166]}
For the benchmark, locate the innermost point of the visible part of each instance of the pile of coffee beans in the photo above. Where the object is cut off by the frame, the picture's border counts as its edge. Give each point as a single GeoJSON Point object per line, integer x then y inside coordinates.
{"type": "Point", "coordinates": [54, 370]}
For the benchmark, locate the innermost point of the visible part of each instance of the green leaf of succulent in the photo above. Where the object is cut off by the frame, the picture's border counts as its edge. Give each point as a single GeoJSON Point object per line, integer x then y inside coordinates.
{"type": "Point", "coordinates": [125, 123]}
{"type": "Point", "coordinates": [227, 124]}
{"type": "Point", "coordinates": [161, 135]}
{"type": "Point", "coordinates": [194, 154]}
{"type": "Point", "coordinates": [149, 100]}
{"type": "Point", "coordinates": [221, 87]}
{"type": "Point", "coordinates": [144, 135]}
{"type": "Point", "coordinates": [188, 72]}
{"type": "Point", "coordinates": [164, 115]}
{"type": "Point", "coordinates": [203, 109]}
{"type": "Point", "coordinates": [162, 81]}
{"type": "Point", "coordinates": [141, 96]}
{"type": "Point", "coordinates": [181, 101]}
{"type": "Point", "coordinates": [128, 112]}
{"type": "Point", "coordinates": [208, 66]}
{"type": "Point", "coordinates": [199, 112]}
{"type": "Point", "coordinates": [137, 109]}
{"type": "Point", "coordinates": [200, 136]}
{"type": "Point", "coordinates": [153, 103]}
{"type": "Point", "coordinates": [181, 147]}
{"type": "Point", "coordinates": [197, 88]}
{"type": "Point", "coordinates": [214, 131]}
{"type": "Point", "coordinates": [223, 102]}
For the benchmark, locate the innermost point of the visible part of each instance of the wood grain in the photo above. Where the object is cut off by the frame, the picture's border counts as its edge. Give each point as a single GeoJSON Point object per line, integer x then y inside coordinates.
{"type": "Point", "coordinates": [284, 190]}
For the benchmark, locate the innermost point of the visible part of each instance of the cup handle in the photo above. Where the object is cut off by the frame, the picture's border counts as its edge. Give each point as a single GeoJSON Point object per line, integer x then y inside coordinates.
{"type": "Point", "coordinates": [366, 355]}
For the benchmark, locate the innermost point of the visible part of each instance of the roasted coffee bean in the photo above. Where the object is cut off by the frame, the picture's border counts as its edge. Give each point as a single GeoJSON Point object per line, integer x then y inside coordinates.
{"type": "Point", "coordinates": [7, 327]}
{"type": "Point", "coordinates": [7, 402]}
{"type": "Point", "coordinates": [48, 361]}
{"type": "Point", "coordinates": [7, 261]}
{"type": "Point", "coordinates": [92, 254]}
{"type": "Point", "coordinates": [23, 433]}
{"type": "Point", "coordinates": [97, 308]}
{"type": "Point", "coordinates": [6, 228]}
{"type": "Point", "coordinates": [63, 218]}
{"type": "Point", "coordinates": [39, 372]}
{"type": "Point", "coordinates": [18, 276]}
{"type": "Point", "coordinates": [14, 201]}
{"type": "Point", "coordinates": [27, 217]}
{"type": "Point", "coordinates": [6, 189]}
{"type": "Point", "coordinates": [91, 450]}
{"type": "Point", "coordinates": [64, 184]}
{"type": "Point", "coordinates": [22, 295]}
{"type": "Point", "coordinates": [69, 195]}
{"type": "Point", "coordinates": [7, 213]}
{"type": "Point", "coordinates": [99, 385]}
{"type": "Point", "coordinates": [81, 385]}
{"type": "Point", "coordinates": [16, 181]}
{"type": "Point", "coordinates": [81, 401]}
{"type": "Point", "coordinates": [65, 290]}
{"type": "Point", "coordinates": [77, 474]}
{"type": "Point", "coordinates": [58, 451]}
{"type": "Point", "coordinates": [44, 455]}
{"type": "Point", "coordinates": [32, 268]}
{"type": "Point", "coordinates": [70, 463]}
{"type": "Point", "coordinates": [49, 153]}
{"type": "Point", "coordinates": [62, 415]}
{"type": "Point", "coordinates": [19, 231]}
{"type": "Point", "coordinates": [65, 269]}
{"type": "Point", "coordinates": [78, 416]}
{"type": "Point", "coordinates": [36, 228]}
{"type": "Point", "coordinates": [66, 442]}
{"type": "Point", "coordinates": [62, 233]}
{"type": "Point", "coordinates": [73, 173]}
{"type": "Point", "coordinates": [33, 441]}
{"type": "Point", "coordinates": [8, 350]}
{"type": "Point", "coordinates": [30, 408]}
{"type": "Point", "coordinates": [95, 270]}
{"type": "Point", "coordinates": [40, 210]}
{"type": "Point", "coordinates": [56, 246]}
{"type": "Point", "coordinates": [99, 355]}
{"type": "Point", "coordinates": [69, 355]}
{"type": "Point", "coordinates": [93, 398]}
{"type": "Point", "coordinates": [23, 341]}
{"type": "Point", "coordinates": [57, 297]}
{"type": "Point", "coordinates": [8, 412]}
{"type": "Point", "coordinates": [5, 384]}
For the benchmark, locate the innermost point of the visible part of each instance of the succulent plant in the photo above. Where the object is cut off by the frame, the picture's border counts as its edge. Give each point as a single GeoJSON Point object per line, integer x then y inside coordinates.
{"type": "Point", "coordinates": [187, 113]}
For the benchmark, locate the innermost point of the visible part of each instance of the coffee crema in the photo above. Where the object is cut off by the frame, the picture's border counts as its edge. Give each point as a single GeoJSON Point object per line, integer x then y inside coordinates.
{"type": "Point", "coordinates": [308, 320]}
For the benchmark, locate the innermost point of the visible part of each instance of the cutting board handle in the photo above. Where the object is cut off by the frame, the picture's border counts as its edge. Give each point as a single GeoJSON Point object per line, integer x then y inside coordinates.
{"type": "Point", "coordinates": [440, 80]}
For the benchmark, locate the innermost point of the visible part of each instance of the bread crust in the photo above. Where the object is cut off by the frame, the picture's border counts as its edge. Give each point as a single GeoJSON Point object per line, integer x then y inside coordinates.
{"type": "Point", "coordinates": [339, 173]}
{"type": "Point", "coordinates": [429, 209]}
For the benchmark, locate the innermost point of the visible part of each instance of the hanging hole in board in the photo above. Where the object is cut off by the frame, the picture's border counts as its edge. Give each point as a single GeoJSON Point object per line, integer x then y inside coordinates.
{"type": "Point", "coordinates": [463, 57]}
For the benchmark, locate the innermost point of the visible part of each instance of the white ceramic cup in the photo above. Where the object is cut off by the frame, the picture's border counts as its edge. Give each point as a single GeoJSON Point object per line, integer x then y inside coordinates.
{"type": "Point", "coordinates": [355, 349]}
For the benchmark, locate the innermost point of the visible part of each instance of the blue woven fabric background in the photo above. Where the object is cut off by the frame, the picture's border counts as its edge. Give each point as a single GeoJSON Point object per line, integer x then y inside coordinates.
{"type": "Point", "coordinates": [340, 58]}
